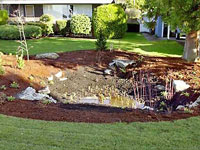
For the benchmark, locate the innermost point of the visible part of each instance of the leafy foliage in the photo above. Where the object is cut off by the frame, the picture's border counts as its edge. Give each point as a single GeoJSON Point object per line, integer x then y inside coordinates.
{"type": "Point", "coordinates": [61, 26]}
{"type": "Point", "coordinates": [111, 20]}
{"type": "Point", "coordinates": [11, 32]}
{"type": "Point", "coordinates": [47, 20]}
{"type": "Point", "coordinates": [3, 17]}
{"type": "Point", "coordinates": [101, 42]}
{"type": "Point", "coordinates": [80, 24]}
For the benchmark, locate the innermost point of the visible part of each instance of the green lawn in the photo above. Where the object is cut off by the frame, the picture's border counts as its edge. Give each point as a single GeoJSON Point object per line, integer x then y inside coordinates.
{"type": "Point", "coordinates": [22, 134]}
{"type": "Point", "coordinates": [133, 42]}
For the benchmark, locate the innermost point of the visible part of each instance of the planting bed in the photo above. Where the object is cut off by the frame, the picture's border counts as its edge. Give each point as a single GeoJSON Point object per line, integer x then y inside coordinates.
{"type": "Point", "coordinates": [85, 75]}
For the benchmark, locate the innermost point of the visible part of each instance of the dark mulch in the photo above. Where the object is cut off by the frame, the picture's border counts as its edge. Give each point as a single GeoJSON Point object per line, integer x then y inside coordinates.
{"type": "Point", "coordinates": [86, 113]}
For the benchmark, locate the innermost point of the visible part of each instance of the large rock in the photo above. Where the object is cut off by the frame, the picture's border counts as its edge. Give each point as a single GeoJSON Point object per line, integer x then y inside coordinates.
{"type": "Point", "coordinates": [47, 55]}
{"type": "Point", "coordinates": [121, 63]}
{"type": "Point", "coordinates": [180, 85]}
{"type": "Point", "coordinates": [31, 94]}
{"type": "Point", "coordinates": [196, 103]}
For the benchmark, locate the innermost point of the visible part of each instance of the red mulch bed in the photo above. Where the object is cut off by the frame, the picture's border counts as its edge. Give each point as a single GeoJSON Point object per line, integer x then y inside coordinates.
{"type": "Point", "coordinates": [189, 72]}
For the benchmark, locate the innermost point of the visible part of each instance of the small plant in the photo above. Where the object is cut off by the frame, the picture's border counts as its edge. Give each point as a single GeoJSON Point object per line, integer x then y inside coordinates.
{"type": "Point", "coordinates": [46, 101]}
{"type": "Point", "coordinates": [101, 41]}
{"type": "Point", "coordinates": [51, 82]}
{"type": "Point", "coordinates": [14, 85]}
{"type": "Point", "coordinates": [164, 94]}
{"type": "Point", "coordinates": [20, 62]}
{"type": "Point", "coordinates": [3, 87]}
{"type": "Point", "coordinates": [10, 98]}
{"type": "Point", "coordinates": [186, 94]}
{"type": "Point", "coordinates": [188, 110]}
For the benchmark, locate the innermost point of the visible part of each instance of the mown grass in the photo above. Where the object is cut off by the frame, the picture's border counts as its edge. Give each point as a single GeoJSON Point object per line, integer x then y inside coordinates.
{"type": "Point", "coordinates": [133, 42]}
{"type": "Point", "coordinates": [23, 134]}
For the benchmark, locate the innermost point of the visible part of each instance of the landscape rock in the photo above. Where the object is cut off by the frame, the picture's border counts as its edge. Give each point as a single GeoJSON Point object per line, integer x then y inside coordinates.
{"type": "Point", "coordinates": [108, 71]}
{"type": "Point", "coordinates": [160, 87]}
{"type": "Point", "coordinates": [63, 79]}
{"type": "Point", "coordinates": [180, 107]}
{"type": "Point", "coordinates": [196, 103]}
{"type": "Point", "coordinates": [47, 55]}
{"type": "Point", "coordinates": [31, 94]}
{"type": "Point", "coordinates": [121, 63]}
{"type": "Point", "coordinates": [50, 78]}
{"type": "Point", "coordinates": [59, 74]}
{"type": "Point", "coordinates": [180, 85]}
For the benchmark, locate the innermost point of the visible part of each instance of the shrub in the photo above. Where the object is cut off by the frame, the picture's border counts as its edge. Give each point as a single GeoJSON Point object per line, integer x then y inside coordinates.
{"type": "Point", "coordinates": [39, 24]}
{"type": "Point", "coordinates": [47, 20]}
{"type": "Point", "coordinates": [11, 32]}
{"type": "Point", "coordinates": [80, 24]}
{"type": "Point", "coordinates": [32, 31]}
{"type": "Point", "coordinates": [101, 41]}
{"type": "Point", "coordinates": [3, 17]}
{"type": "Point", "coordinates": [111, 19]}
{"type": "Point", "coordinates": [61, 27]}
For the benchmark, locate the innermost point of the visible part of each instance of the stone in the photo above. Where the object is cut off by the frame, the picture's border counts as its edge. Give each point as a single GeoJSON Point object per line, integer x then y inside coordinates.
{"type": "Point", "coordinates": [59, 74]}
{"type": "Point", "coordinates": [180, 107]}
{"type": "Point", "coordinates": [31, 94]}
{"type": "Point", "coordinates": [180, 85]}
{"type": "Point", "coordinates": [196, 103]}
{"type": "Point", "coordinates": [123, 63]}
{"type": "Point", "coordinates": [160, 87]}
{"type": "Point", "coordinates": [108, 71]}
{"type": "Point", "coordinates": [63, 79]}
{"type": "Point", "coordinates": [47, 55]}
{"type": "Point", "coordinates": [46, 90]}
{"type": "Point", "coordinates": [50, 78]}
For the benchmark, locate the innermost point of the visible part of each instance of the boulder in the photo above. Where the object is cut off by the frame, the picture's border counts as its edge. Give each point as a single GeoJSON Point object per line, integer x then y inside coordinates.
{"type": "Point", "coordinates": [31, 94]}
{"type": "Point", "coordinates": [196, 103]}
{"type": "Point", "coordinates": [121, 63]}
{"type": "Point", "coordinates": [180, 85]}
{"type": "Point", "coordinates": [47, 55]}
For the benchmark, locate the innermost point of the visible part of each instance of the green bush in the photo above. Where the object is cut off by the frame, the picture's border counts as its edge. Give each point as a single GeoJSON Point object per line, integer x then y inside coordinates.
{"type": "Point", "coordinates": [3, 17]}
{"type": "Point", "coordinates": [80, 24]}
{"type": "Point", "coordinates": [61, 27]}
{"type": "Point", "coordinates": [111, 19]}
{"type": "Point", "coordinates": [11, 32]}
{"type": "Point", "coordinates": [39, 24]}
{"type": "Point", "coordinates": [32, 31]}
{"type": "Point", "coordinates": [101, 41]}
{"type": "Point", "coordinates": [47, 20]}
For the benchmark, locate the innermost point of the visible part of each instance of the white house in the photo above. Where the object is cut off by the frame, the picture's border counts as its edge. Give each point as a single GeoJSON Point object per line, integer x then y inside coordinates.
{"type": "Point", "coordinates": [60, 9]}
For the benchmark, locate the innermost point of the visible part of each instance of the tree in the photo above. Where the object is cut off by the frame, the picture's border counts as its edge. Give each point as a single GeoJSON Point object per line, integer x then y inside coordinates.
{"type": "Point", "coordinates": [182, 14]}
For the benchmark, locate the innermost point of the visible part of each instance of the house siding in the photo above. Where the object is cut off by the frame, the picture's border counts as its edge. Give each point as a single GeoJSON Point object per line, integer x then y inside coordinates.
{"type": "Point", "coordinates": [159, 27]}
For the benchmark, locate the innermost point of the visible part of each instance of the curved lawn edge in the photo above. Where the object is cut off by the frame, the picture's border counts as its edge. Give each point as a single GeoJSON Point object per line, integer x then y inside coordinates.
{"type": "Point", "coordinates": [16, 133]}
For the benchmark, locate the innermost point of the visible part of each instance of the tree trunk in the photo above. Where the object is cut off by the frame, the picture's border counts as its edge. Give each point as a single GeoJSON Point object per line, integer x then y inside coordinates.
{"type": "Point", "coordinates": [191, 48]}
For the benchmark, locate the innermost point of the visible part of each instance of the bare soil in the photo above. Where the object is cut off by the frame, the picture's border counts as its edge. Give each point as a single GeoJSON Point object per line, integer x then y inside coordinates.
{"type": "Point", "coordinates": [83, 69]}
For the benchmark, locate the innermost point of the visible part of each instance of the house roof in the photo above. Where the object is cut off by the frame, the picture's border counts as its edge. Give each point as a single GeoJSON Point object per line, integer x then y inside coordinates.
{"type": "Point", "coordinates": [55, 1]}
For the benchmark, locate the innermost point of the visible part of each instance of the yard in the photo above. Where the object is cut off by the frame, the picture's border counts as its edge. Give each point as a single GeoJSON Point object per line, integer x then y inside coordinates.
{"type": "Point", "coordinates": [18, 134]}
{"type": "Point", "coordinates": [119, 129]}
{"type": "Point", "coordinates": [132, 42]}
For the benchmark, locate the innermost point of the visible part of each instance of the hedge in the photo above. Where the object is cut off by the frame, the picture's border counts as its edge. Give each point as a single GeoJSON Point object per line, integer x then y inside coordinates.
{"type": "Point", "coordinates": [11, 32]}
{"type": "Point", "coordinates": [3, 17]}
{"type": "Point", "coordinates": [61, 26]}
{"type": "Point", "coordinates": [39, 24]}
{"type": "Point", "coordinates": [111, 19]}
{"type": "Point", "coordinates": [80, 24]}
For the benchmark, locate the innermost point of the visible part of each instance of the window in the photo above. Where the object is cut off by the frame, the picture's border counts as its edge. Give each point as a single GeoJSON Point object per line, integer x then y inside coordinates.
{"type": "Point", "coordinates": [29, 10]}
